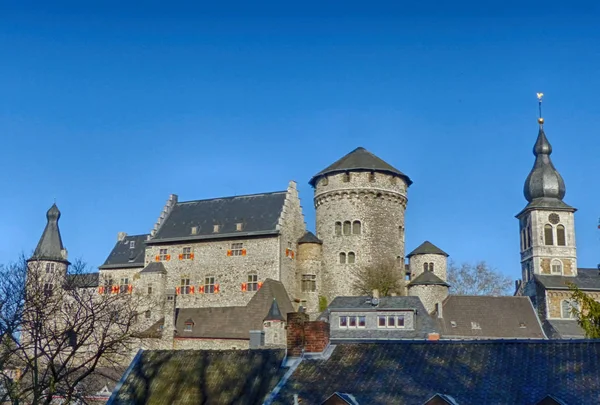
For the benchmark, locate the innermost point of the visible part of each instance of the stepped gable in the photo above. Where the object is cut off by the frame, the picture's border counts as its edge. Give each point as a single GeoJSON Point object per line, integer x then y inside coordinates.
{"type": "Point", "coordinates": [360, 159]}
{"type": "Point", "coordinates": [193, 220]}
{"type": "Point", "coordinates": [427, 248]}
{"type": "Point", "coordinates": [123, 256]}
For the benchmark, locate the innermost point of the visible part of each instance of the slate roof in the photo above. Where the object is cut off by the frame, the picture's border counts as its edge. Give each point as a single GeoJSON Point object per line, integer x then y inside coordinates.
{"type": "Point", "coordinates": [234, 322]}
{"type": "Point", "coordinates": [122, 256]}
{"type": "Point", "coordinates": [497, 317]}
{"type": "Point", "coordinates": [423, 324]}
{"type": "Point", "coordinates": [274, 313]}
{"type": "Point", "coordinates": [190, 377]}
{"type": "Point", "coordinates": [427, 248]}
{"type": "Point", "coordinates": [360, 159]}
{"type": "Point", "coordinates": [259, 214]}
{"type": "Point", "coordinates": [586, 279]}
{"type": "Point", "coordinates": [154, 267]}
{"type": "Point", "coordinates": [472, 372]}
{"type": "Point", "coordinates": [428, 278]}
{"type": "Point", "coordinates": [563, 329]}
{"type": "Point", "coordinates": [85, 280]}
{"type": "Point", "coordinates": [50, 246]}
{"type": "Point", "coordinates": [309, 237]}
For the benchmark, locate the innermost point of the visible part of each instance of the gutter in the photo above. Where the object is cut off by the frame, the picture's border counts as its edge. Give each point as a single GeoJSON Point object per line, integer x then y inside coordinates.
{"type": "Point", "coordinates": [213, 236]}
{"type": "Point", "coordinates": [113, 398]}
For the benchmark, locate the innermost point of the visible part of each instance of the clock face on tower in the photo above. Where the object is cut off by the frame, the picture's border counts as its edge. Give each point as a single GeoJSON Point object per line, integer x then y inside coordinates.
{"type": "Point", "coordinates": [554, 218]}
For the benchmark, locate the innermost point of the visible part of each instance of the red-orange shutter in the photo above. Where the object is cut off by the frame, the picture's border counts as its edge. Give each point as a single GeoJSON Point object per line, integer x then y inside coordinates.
{"type": "Point", "coordinates": [178, 290]}
{"type": "Point", "coordinates": [192, 256]}
{"type": "Point", "coordinates": [243, 252]}
{"type": "Point", "coordinates": [168, 257]}
{"type": "Point", "coordinates": [100, 290]}
{"type": "Point", "coordinates": [260, 284]}
{"type": "Point", "coordinates": [229, 253]}
{"type": "Point", "coordinates": [180, 256]}
{"type": "Point", "coordinates": [216, 288]}
{"type": "Point", "coordinates": [292, 254]}
{"type": "Point", "coordinates": [191, 289]}
{"type": "Point", "coordinates": [157, 258]}
{"type": "Point", "coordinates": [201, 289]}
{"type": "Point", "coordinates": [129, 288]}
{"type": "Point", "coordinates": [244, 286]}
{"type": "Point", "coordinates": [287, 252]}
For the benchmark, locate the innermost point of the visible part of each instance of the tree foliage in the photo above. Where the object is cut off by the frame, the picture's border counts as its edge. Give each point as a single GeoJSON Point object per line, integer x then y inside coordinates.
{"type": "Point", "coordinates": [477, 279]}
{"type": "Point", "coordinates": [58, 333]}
{"type": "Point", "coordinates": [587, 312]}
{"type": "Point", "coordinates": [384, 277]}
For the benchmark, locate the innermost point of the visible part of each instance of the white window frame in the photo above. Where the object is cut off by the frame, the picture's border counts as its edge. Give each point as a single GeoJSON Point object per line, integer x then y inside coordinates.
{"type": "Point", "coordinates": [162, 254]}
{"type": "Point", "coordinates": [558, 264]}
{"type": "Point", "coordinates": [236, 248]}
{"type": "Point", "coordinates": [395, 320]}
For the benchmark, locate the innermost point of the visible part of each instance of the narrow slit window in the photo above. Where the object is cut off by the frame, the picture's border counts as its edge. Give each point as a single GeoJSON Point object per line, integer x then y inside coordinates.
{"type": "Point", "coordinates": [356, 228]}
{"type": "Point", "coordinates": [347, 227]}
{"type": "Point", "coordinates": [338, 228]}
{"type": "Point", "coordinates": [430, 266]}
{"type": "Point", "coordinates": [351, 257]}
{"type": "Point", "coordinates": [342, 258]}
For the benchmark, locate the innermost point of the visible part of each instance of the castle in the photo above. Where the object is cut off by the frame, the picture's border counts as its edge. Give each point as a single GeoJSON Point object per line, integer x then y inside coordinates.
{"type": "Point", "coordinates": [213, 263]}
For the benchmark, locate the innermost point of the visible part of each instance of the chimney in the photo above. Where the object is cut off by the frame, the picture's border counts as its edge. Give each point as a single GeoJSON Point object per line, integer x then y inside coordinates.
{"type": "Point", "coordinates": [121, 236]}
{"type": "Point", "coordinates": [433, 336]}
{"type": "Point", "coordinates": [375, 293]}
{"type": "Point", "coordinates": [438, 309]}
{"type": "Point", "coordinates": [304, 336]}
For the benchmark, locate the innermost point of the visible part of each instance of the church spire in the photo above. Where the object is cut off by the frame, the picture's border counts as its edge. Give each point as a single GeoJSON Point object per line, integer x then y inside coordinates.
{"type": "Point", "coordinates": [50, 246]}
{"type": "Point", "coordinates": [544, 185]}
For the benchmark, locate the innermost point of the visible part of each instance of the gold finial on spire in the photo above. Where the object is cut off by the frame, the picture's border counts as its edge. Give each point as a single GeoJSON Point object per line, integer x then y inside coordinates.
{"type": "Point", "coordinates": [540, 119]}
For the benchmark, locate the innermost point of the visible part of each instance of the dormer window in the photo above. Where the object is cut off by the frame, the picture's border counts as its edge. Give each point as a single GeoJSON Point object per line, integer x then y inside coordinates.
{"type": "Point", "coordinates": [475, 325]}
{"type": "Point", "coordinates": [131, 244]}
{"type": "Point", "coordinates": [239, 226]}
{"type": "Point", "coordinates": [189, 325]}
{"type": "Point", "coordinates": [194, 230]}
{"type": "Point", "coordinates": [216, 228]}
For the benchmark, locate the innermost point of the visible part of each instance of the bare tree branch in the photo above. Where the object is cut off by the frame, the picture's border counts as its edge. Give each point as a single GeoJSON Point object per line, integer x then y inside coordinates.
{"type": "Point", "coordinates": [478, 279]}
{"type": "Point", "coordinates": [384, 277]}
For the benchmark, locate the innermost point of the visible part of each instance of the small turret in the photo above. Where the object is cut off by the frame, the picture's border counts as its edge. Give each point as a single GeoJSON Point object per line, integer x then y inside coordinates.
{"type": "Point", "coordinates": [50, 246]}
{"type": "Point", "coordinates": [274, 326]}
{"type": "Point", "coordinates": [428, 268]}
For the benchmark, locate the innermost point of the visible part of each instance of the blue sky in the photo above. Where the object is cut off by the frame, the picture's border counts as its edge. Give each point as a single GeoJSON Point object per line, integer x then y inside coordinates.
{"type": "Point", "coordinates": [109, 107]}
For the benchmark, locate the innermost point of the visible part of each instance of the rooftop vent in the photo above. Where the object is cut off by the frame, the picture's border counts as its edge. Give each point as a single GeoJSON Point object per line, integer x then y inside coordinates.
{"type": "Point", "coordinates": [475, 325]}
{"type": "Point", "coordinates": [453, 324]}
{"type": "Point", "coordinates": [522, 325]}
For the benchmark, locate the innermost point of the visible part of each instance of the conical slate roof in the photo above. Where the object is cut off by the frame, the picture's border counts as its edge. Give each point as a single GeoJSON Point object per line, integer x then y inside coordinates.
{"type": "Point", "coordinates": [274, 313]}
{"type": "Point", "coordinates": [309, 237]}
{"type": "Point", "coordinates": [428, 278]}
{"type": "Point", "coordinates": [50, 246]}
{"type": "Point", "coordinates": [360, 159]}
{"type": "Point", "coordinates": [544, 186]}
{"type": "Point", "coordinates": [427, 248]}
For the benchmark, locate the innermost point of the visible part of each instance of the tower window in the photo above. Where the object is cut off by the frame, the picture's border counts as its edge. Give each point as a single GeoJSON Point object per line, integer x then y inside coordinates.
{"type": "Point", "coordinates": [338, 228]}
{"type": "Point", "coordinates": [372, 176]}
{"type": "Point", "coordinates": [347, 227]}
{"type": "Point", "coordinates": [325, 181]}
{"type": "Point", "coordinates": [356, 228]}
{"type": "Point", "coordinates": [50, 267]}
{"type": "Point", "coordinates": [425, 266]}
{"type": "Point", "coordinates": [48, 288]}
{"type": "Point", "coordinates": [351, 257]}
{"type": "Point", "coordinates": [566, 309]}
{"type": "Point", "coordinates": [548, 237]}
{"type": "Point", "coordinates": [342, 258]}
{"type": "Point", "coordinates": [560, 236]}
{"type": "Point", "coordinates": [557, 267]}
{"type": "Point", "coordinates": [430, 266]}
{"type": "Point", "coordinates": [346, 177]}
{"type": "Point", "coordinates": [309, 283]}
{"type": "Point", "coordinates": [147, 314]}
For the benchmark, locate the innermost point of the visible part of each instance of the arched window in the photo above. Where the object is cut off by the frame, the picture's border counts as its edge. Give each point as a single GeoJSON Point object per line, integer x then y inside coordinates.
{"type": "Point", "coordinates": [425, 266]}
{"type": "Point", "coordinates": [347, 227]}
{"type": "Point", "coordinates": [338, 228]}
{"type": "Point", "coordinates": [548, 239]}
{"type": "Point", "coordinates": [346, 177]}
{"type": "Point", "coordinates": [557, 266]}
{"type": "Point", "coordinates": [430, 266]}
{"type": "Point", "coordinates": [560, 236]}
{"type": "Point", "coordinates": [356, 227]}
{"type": "Point", "coordinates": [566, 309]}
{"type": "Point", "coordinates": [342, 258]}
{"type": "Point", "coordinates": [351, 257]}
{"type": "Point", "coordinates": [372, 176]}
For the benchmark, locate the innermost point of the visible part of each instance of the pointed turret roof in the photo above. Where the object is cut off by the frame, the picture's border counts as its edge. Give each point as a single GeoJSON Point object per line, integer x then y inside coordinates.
{"type": "Point", "coordinates": [50, 246]}
{"type": "Point", "coordinates": [360, 159]}
{"type": "Point", "coordinates": [309, 237]}
{"type": "Point", "coordinates": [274, 313]}
{"type": "Point", "coordinates": [427, 248]}
{"type": "Point", "coordinates": [544, 186]}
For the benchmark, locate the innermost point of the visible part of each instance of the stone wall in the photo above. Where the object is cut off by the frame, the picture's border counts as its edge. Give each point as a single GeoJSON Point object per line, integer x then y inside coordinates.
{"type": "Point", "coordinates": [440, 264]}
{"type": "Point", "coordinates": [275, 333]}
{"type": "Point", "coordinates": [211, 259]}
{"type": "Point", "coordinates": [379, 205]}
{"type": "Point", "coordinates": [554, 300]}
{"type": "Point", "coordinates": [210, 344]}
{"type": "Point", "coordinates": [429, 295]}
{"type": "Point", "coordinates": [309, 263]}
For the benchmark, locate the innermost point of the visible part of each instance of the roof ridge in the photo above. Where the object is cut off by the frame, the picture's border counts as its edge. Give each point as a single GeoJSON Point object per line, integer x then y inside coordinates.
{"type": "Point", "coordinates": [232, 197]}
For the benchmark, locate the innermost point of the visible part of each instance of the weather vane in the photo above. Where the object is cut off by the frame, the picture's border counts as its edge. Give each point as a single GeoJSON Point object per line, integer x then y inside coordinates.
{"type": "Point", "coordinates": [539, 96]}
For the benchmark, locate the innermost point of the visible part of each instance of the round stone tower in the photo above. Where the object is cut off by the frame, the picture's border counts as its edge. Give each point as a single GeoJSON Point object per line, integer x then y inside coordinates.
{"type": "Point", "coordinates": [360, 202]}
{"type": "Point", "coordinates": [309, 272]}
{"type": "Point", "coordinates": [428, 274]}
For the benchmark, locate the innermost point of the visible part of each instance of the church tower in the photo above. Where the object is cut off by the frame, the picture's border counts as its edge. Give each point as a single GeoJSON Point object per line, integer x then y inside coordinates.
{"type": "Point", "coordinates": [360, 202]}
{"type": "Point", "coordinates": [547, 223]}
{"type": "Point", "coordinates": [49, 259]}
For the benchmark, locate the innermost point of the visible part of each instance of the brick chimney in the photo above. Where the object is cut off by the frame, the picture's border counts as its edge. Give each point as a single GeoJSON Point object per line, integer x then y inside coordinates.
{"type": "Point", "coordinates": [304, 336]}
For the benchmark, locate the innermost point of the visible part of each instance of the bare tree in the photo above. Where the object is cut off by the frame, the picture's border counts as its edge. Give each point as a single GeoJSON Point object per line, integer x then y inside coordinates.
{"type": "Point", "coordinates": [477, 279]}
{"type": "Point", "coordinates": [57, 330]}
{"type": "Point", "coordinates": [384, 277]}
